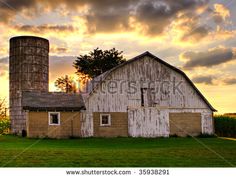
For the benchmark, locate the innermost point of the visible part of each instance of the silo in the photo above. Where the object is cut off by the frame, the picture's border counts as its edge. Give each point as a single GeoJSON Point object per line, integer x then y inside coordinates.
{"type": "Point", "coordinates": [29, 65]}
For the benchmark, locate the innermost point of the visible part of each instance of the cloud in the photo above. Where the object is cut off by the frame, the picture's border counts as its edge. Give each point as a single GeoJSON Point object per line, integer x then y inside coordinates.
{"type": "Point", "coordinates": [4, 66]}
{"type": "Point", "coordinates": [208, 80]}
{"type": "Point", "coordinates": [4, 60]}
{"type": "Point", "coordinates": [10, 8]}
{"type": "Point", "coordinates": [209, 58]}
{"type": "Point", "coordinates": [196, 33]}
{"type": "Point", "coordinates": [58, 50]}
{"type": "Point", "coordinates": [229, 81]}
{"type": "Point", "coordinates": [45, 28]}
{"type": "Point", "coordinates": [106, 15]}
{"type": "Point", "coordinates": [3, 50]}
{"type": "Point", "coordinates": [158, 15]}
{"type": "Point", "coordinates": [60, 66]}
{"type": "Point", "coordinates": [214, 80]}
{"type": "Point", "coordinates": [221, 13]}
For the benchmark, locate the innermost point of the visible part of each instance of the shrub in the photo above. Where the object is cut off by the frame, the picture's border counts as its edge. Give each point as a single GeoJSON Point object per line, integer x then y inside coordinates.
{"type": "Point", "coordinates": [4, 126]}
{"type": "Point", "coordinates": [225, 126]}
{"type": "Point", "coordinates": [206, 135]}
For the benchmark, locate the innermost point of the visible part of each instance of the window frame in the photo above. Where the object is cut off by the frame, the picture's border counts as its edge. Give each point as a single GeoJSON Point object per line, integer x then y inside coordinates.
{"type": "Point", "coordinates": [49, 118]}
{"type": "Point", "coordinates": [109, 120]}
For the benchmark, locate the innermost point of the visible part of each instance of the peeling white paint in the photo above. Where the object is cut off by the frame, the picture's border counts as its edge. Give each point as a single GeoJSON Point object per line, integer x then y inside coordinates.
{"type": "Point", "coordinates": [147, 121]}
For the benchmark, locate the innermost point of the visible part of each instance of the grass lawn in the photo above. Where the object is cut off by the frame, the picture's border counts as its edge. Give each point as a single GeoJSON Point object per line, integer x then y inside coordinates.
{"type": "Point", "coordinates": [117, 152]}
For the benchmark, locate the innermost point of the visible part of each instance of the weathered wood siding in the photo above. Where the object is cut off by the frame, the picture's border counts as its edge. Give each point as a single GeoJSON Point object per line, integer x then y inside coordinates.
{"type": "Point", "coordinates": [148, 122]}
{"type": "Point", "coordinates": [142, 71]}
{"type": "Point", "coordinates": [86, 119]}
{"type": "Point", "coordinates": [148, 73]}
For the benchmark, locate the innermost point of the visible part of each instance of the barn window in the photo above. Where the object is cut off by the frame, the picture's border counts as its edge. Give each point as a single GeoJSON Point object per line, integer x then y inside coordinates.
{"type": "Point", "coordinates": [105, 119]}
{"type": "Point", "coordinates": [142, 97]}
{"type": "Point", "coordinates": [147, 97]}
{"type": "Point", "coordinates": [54, 118]}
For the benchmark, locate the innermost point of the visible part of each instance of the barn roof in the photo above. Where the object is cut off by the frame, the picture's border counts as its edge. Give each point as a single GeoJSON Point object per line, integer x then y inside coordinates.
{"type": "Point", "coordinates": [147, 53]}
{"type": "Point", "coordinates": [51, 101]}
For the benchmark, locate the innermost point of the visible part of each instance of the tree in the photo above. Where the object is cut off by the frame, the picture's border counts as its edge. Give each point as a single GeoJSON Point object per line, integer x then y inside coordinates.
{"type": "Point", "coordinates": [4, 119]}
{"type": "Point", "coordinates": [66, 84]}
{"type": "Point", "coordinates": [97, 62]}
{"type": "Point", "coordinates": [3, 109]}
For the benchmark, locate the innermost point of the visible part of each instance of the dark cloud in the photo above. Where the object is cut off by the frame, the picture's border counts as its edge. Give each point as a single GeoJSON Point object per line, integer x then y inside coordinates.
{"type": "Point", "coordinates": [113, 15]}
{"type": "Point", "coordinates": [207, 59]}
{"type": "Point", "coordinates": [109, 16]}
{"type": "Point", "coordinates": [196, 33]}
{"type": "Point", "coordinates": [9, 8]}
{"type": "Point", "coordinates": [103, 22]}
{"type": "Point", "coordinates": [157, 15]}
{"type": "Point", "coordinates": [45, 28]}
{"type": "Point", "coordinates": [208, 80]}
{"type": "Point", "coordinates": [58, 49]}
{"type": "Point", "coordinates": [229, 81]}
{"type": "Point", "coordinates": [3, 66]}
{"type": "Point", "coordinates": [4, 60]}
{"type": "Point", "coordinates": [16, 4]}
{"type": "Point", "coordinates": [218, 18]}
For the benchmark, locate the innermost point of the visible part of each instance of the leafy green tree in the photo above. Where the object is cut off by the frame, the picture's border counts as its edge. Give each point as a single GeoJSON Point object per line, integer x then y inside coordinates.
{"type": "Point", "coordinates": [66, 84]}
{"type": "Point", "coordinates": [3, 108]}
{"type": "Point", "coordinates": [4, 119]}
{"type": "Point", "coordinates": [97, 62]}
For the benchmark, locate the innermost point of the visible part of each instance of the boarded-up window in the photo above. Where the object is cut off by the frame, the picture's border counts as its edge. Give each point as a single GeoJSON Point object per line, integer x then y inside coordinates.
{"type": "Point", "coordinates": [147, 97]}
{"type": "Point", "coordinates": [183, 124]}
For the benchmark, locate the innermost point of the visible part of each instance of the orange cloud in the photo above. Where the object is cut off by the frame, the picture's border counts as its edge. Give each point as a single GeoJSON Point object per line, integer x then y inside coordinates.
{"type": "Point", "coordinates": [221, 13]}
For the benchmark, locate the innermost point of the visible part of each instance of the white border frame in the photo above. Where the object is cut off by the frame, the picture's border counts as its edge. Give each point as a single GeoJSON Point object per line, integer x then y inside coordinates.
{"type": "Point", "coordinates": [59, 118]}
{"type": "Point", "coordinates": [109, 120]}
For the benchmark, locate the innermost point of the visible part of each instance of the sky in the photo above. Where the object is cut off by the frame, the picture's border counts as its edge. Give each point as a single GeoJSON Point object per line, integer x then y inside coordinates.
{"type": "Point", "coordinates": [197, 36]}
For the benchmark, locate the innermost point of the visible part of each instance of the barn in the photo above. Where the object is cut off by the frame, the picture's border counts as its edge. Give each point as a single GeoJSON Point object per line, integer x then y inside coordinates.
{"type": "Point", "coordinates": [147, 97]}
{"type": "Point", "coordinates": [142, 97]}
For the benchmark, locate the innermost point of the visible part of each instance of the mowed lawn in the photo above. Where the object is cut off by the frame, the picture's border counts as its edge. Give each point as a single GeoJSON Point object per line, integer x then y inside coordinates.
{"type": "Point", "coordinates": [117, 152]}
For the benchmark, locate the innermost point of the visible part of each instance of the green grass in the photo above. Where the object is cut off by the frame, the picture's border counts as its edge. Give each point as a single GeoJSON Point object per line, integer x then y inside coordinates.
{"type": "Point", "coordinates": [116, 152]}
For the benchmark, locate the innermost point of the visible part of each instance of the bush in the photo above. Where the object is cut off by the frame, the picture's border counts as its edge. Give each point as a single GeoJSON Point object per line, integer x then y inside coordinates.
{"type": "Point", "coordinates": [225, 126]}
{"type": "Point", "coordinates": [4, 126]}
{"type": "Point", "coordinates": [206, 136]}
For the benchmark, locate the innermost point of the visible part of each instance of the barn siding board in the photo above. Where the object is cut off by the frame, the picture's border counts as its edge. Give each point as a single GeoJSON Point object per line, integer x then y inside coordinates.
{"type": "Point", "coordinates": [149, 121]}
{"type": "Point", "coordinates": [86, 119]}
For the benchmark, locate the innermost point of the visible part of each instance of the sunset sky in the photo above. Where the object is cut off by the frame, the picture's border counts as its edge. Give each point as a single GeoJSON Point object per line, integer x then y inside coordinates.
{"type": "Point", "coordinates": [197, 36]}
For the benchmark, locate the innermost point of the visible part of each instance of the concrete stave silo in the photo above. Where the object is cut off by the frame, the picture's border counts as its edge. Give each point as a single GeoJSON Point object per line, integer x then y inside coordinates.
{"type": "Point", "coordinates": [29, 67]}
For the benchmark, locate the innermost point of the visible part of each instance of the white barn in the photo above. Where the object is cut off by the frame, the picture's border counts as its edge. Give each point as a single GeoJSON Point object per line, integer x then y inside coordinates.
{"type": "Point", "coordinates": [145, 97]}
